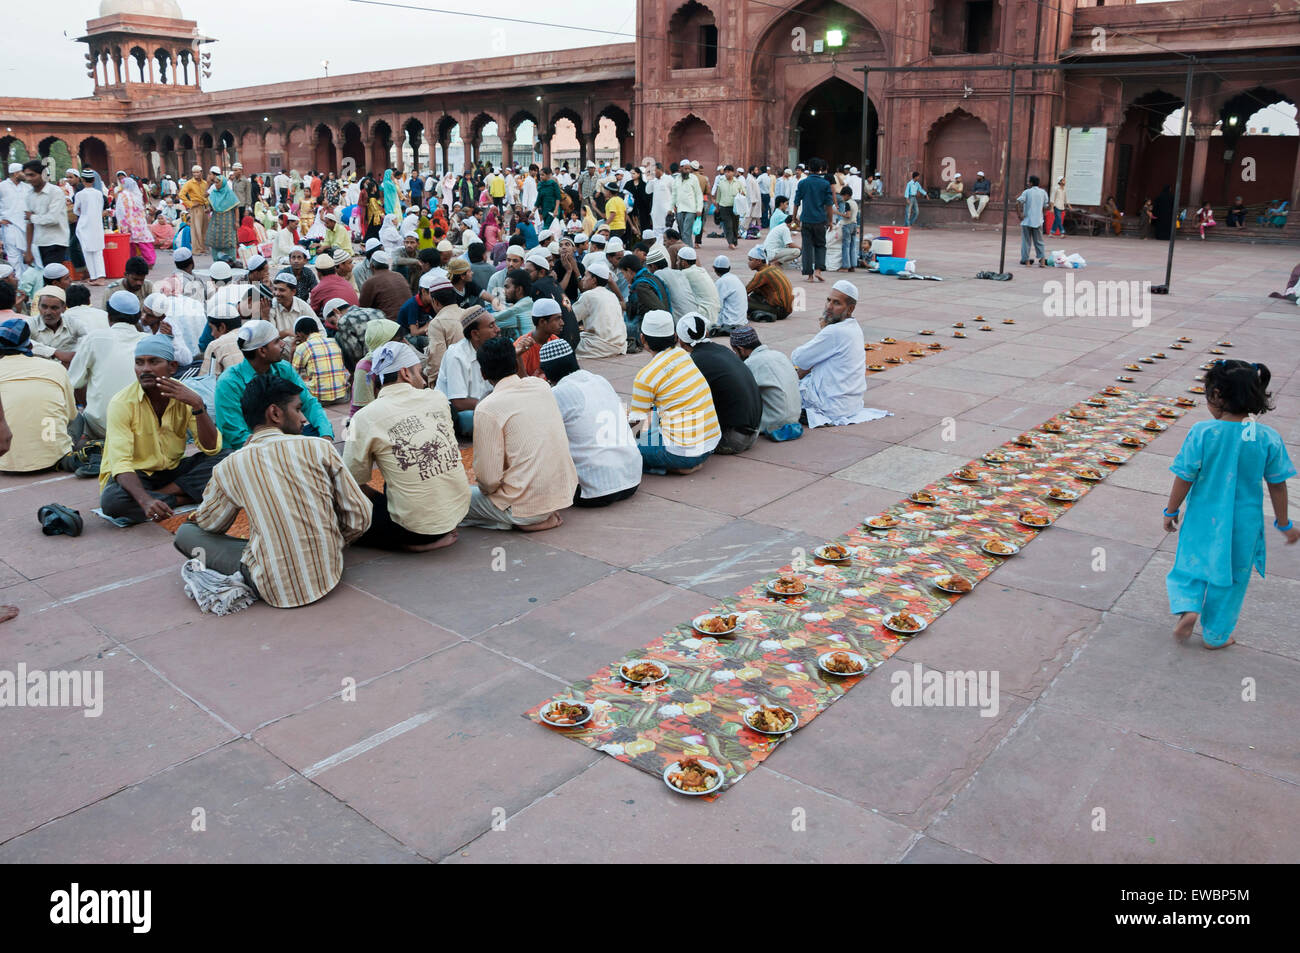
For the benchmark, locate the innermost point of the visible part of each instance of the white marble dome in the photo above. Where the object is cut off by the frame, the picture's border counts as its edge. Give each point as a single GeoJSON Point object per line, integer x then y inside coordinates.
{"type": "Point", "coordinates": [149, 8]}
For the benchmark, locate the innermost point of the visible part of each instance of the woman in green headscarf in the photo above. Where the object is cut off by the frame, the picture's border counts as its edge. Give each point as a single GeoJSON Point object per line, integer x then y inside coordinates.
{"type": "Point", "coordinates": [378, 332]}
{"type": "Point", "coordinates": [223, 226]}
{"type": "Point", "coordinates": [392, 199]}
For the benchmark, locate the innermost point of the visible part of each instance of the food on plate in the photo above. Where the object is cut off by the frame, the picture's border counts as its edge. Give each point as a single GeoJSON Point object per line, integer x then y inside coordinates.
{"type": "Point", "coordinates": [567, 713]}
{"type": "Point", "coordinates": [1088, 473]}
{"type": "Point", "coordinates": [1166, 412]}
{"type": "Point", "coordinates": [1113, 391]}
{"type": "Point", "coordinates": [1146, 360]}
{"type": "Point", "coordinates": [1159, 354]}
{"type": "Point", "coordinates": [788, 584]}
{"type": "Point", "coordinates": [1000, 547]}
{"type": "Point", "coordinates": [1126, 380]}
{"type": "Point", "coordinates": [1184, 402]}
{"type": "Point", "coordinates": [642, 671]}
{"type": "Point", "coordinates": [1053, 427]}
{"type": "Point", "coordinates": [1030, 518]}
{"type": "Point", "coordinates": [1132, 367]}
{"type": "Point", "coordinates": [967, 473]}
{"type": "Point", "coordinates": [1206, 366]}
{"type": "Point", "coordinates": [926, 331]}
{"type": "Point", "coordinates": [959, 334]}
{"type": "Point", "coordinates": [1023, 441]}
{"type": "Point", "coordinates": [883, 521]}
{"type": "Point", "coordinates": [979, 317]}
{"type": "Point", "coordinates": [1186, 340]}
{"type": "Point", "coordinates": [1008, 320]}
{"type": "Point", "coordinates": [1079, 414]}
{"type": "Point", "coordinates": [888, 341]}
{"type": "Point", "coordinates": [693, 776]}
{"type": "Point", "coordinates": [720, 623]}
{"type": "Point", "coordinates": [1129, 440]}
{"type": "Point", "coordinates": [875, 367]}
{"type": "Point", "coordinates": [771, 718]}
{"type": "Point", "coordinates": [833, 551]}
{"type": "Point", "coordinates": [923, 496]}
{"type": "Point", "coordinates": [955, 583]}
{"type": "Point", "coordinates": [842, 663]}
{"type": "Point", "coordinates": [1225, 344]}
{"type": "Point", "coordinates": [1096, 402]}
{"type": "Point", "coordinates": [1176, 347]}
{"type": "Point", "coordinates": [916, 352]}
{"type": "Point", "coordinates": [960, 324]}
{"type": "Point", "coordinates": [1061, 495]}
{"type": "Point", "coordinates": [1154, 425]}
{"type": "Point", "coordinates": [995, 456]}
{"type": "Point", "coordinates": [905, 621]}
{"type": "Point", "coordinates": [1112, 458]}
{"type": "Point", "coordinates": [893, 360]}
{"type": "Point", "coordinates": [1216, 350]}
{"type": "Point", "coordinates": [986, 328]}
{"type": "Point", "coordinates": [936, 346]}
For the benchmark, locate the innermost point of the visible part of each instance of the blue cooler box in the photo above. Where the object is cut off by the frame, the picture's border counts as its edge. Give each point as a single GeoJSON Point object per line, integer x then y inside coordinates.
{"type": "Point", "coordinates": [890, 265]}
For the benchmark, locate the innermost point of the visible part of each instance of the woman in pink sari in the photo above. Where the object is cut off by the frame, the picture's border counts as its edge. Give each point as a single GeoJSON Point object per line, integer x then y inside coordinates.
{"type": "Point", "coordinates": [163, 231]}
{"type": "Point", "coordinates": [130, 218]}
{"type": "Point", "coordinates": [491, 227]}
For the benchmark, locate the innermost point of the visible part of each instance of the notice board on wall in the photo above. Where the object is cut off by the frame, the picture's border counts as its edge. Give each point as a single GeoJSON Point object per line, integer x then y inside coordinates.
{"type": "Point", "coordinates": [1079, 154]}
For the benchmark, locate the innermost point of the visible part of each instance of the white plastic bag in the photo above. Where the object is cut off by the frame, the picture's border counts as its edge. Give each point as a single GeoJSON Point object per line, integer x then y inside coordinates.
{"type": "Point", "coordinates": [1076, 261]}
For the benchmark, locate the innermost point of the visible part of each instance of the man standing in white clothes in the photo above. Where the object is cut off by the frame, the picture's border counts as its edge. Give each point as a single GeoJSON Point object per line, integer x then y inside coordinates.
{"type": "Point", "coordinates": [661, 200]}
{"type": "Point", "coordinates": [13, 215]}
{"type": "Point", "coordinates": [89, 208]}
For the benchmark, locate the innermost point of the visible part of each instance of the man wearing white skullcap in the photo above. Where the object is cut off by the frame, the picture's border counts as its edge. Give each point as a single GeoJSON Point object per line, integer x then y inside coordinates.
{"type": "Point", "coordinates": [548, 322]}
{"type": "Point", "coordinates": [733, 303]}
{"type": "Point", "coordinates": [407, 432]}
{"type": "Point", "coordinates": [681, 299]}
{"type": "Point", "coordinates": [703, 292]}
{"type": "Point", "coordinates": [13, 214]}
{"type": "Point", "coordinates": [672, 409]}
{"type": "Point", "coordinates": [735, 394]}
{"type": "Point", "coordinates": [770, 296]}
{"type": "Point", "coordinates": [88, 206]}
{"type": "Point", "coordinates": [496, 285]}
{"type": "Point", "coordinates": [832, 366]}
{"type": "Point", "coordinates": [599, 311]}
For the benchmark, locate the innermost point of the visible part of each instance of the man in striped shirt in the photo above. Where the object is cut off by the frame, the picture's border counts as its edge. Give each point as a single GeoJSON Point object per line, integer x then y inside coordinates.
{"type": "Point", "coordinates": [319, 362]}
{"type": "Point", "coordinates": [672, 407]}
{"type": "Point", "coordinates": [303, 505]}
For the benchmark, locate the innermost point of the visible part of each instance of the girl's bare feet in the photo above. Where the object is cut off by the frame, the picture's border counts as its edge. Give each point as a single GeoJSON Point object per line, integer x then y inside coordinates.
{"type": "Point", "coordinates": [1186, 623]}
{"type": "Point", "coordinates": [1224, 645]}
{"type": "Point", "coordinates": [550, 522]}
{"type": "Point", "coordinates": [8, 612]}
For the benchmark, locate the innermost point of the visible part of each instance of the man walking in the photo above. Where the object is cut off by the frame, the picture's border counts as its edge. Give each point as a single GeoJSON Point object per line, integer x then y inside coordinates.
{"type": "Point", "coordinates": [13, 215]}
{"type": "Point", "coordinates": [47, 218]}
{"type": "Point", "coordinates": [813, 202]}
{"type": "Point", "coordinates": [194, 197]}
{"type": "Point", "coordinates": [914, 192]}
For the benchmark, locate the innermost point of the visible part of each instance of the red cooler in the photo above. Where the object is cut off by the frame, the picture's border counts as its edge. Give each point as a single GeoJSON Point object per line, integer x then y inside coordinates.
{"type": "Point", "coordinates": [898, 235]}
{"type": "Point", "coordinates": [117, 249]}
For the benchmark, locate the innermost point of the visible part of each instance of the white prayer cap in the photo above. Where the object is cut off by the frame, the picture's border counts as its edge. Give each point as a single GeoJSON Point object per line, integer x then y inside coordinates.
{"type": "Point", "coordinates": [5, 270]}
{"type": "Point", "coordinates": [758, 253]}
{"type": "Point", "coordinates": [392, 357]}
{"type": "Point", "coordinates": [545, 308]}
{"type": "Point", "coordinates": [600, 269]}
{"type": "Point", "coordinates": [516, 251]}
{"type": "Point", "coordinates": [538, 258]}
{"type": "Point", "coordinates": [254, 262]}
{"type": "Point", "coordinates": [599, 239]}
{"type": "Point", "coordinates": [695, 163]}
{"type": "Point", "coordinates": [54, 271]}
{"type": "Point", "coordinates": [553, 248]}
{"type": "Point", "coordinates": [580, 239]}
{"type": "Point", "coordinates": [845, 287]}
{"type": "Point", "coordinates": [722, 261]}
{"type": "Point", "coordinates": [685, 162]}
{"type": "Point", "coordinates": [721, 167]}
{"type": "Point", "coordinates": [656, 255]}
{"type": "Point", "coordinates": [255, 334]}
{"type": "Point", "coordinates": [372, 244]}
{"type": "Point", "coordinates": [331, 216]}
{"type": "Point", "coordinates": [291, 217]}
{"type": "Point", "coordinates": [590, 164]}
{"type": "Point", "coordinates": [435, 279]}
{"type": "Point", "coordinates": [686, 253]}
{"type": "Point", "coordinates": [238, 165]}
{"type": "Point", "coordinates": [657, 324]}
{"type": "Point", "coordinates": [15, 167]}
{"type": "Point", "coordinates": [332, 305]}
{"type": "Point", "coordinates": [787, 172]}
{"type": "Point", "coordinates": [216, 169]}
{"type": "Point", "coordinates": [979, 173]}
{"type": "Point", "coordinates": [220, 271]}
{"type": "Point", "coordinates": [182, 254]}
{"type": "Point", "coordinates": [286, 278]}
{"type": "Point", "coordinates": [196, 168]}
{"type": "Point", "coordinates": [382, 257]}
{"type": "Point", "coordinates": [445, 245]}
{"type": "Point", "coordinates": [956, 175]}
{"type": "Point", "coordinates": [473, 240]}
{"type": "Point", "coordinates": [156, 302]}
{"type": "Point", "coordinates": [853, 170]}
{"type": "Point", "coordinates": [613, 246]}
{"type": "Point", "coordinates": [692, 327]}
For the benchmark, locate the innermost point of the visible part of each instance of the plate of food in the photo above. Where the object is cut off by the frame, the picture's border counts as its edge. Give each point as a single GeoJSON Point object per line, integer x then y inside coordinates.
{"type": "Point", "coordinates": [643, 671]}
{"type": "Point", "coordinates": [916, 352]}
{"type": "Point", "coordinates": [954, 584]}
{"type": "Point", "coordinates": [1061, 495]}
{"type": "Point", "coordinates": [1128, 440]}
{"type": "Point", "coordinates": [1185, 340]}
{"type": "Point", "coordinates": [1155, 426]}
{"type": "Point", "coordinates": [770, 719]}
{"type": "Point", "coordinates": [1000, 547]}
{"type": "Point", "coordinates": [986, 328]}
{"type": "Point", "coordinates": [960, 324]}
{"type": "Point", "coordinates": [1160, 355]}
{"type": "Point", "coordinates": [1167, 412]}
{"type": "Point", "coordinates": [1184, 402]}
{"type": "Point", "coordinates": [883, 521]}
{"type": "Point", "coordinates": [787, 584]}
{"type": "Point", "coordinates": [716, 623]}
{"type": "Point", "coordinates": [1034, 520]}
{"type": "Point", "coordinates": [1225, 344]}
{"type": "Point", "coordinates": [842, 663]}
{"type": "Point", "coordinates": [1197, 389]}
{"type": "Point", "coordinates": [979, 317]}
{"type": "Point", "coordinates": [1090, 474]}
{"type": "Point", "coordinates": [904, 623]}
{"type": "Point", "coordinates": [888, 341]}
{"type": "Point", "coordinates": [1023, 441]}
{"type": "Point", "coordinates": [959, 334]}
{"type": "Point", "coordinates": [936, 346]}
{"type": "Point", "coordinates": [566, 713]}
{"type": "Point", "coordinates": [968, 475]}
{"type": "Point", "coordinates": [875, 367]}
{"type": "Point", "coordinates": [1147, 360]}
{"type": "Point", "coordinates": [1114, 459]}
{"type": "Point", "coordinates": [924, 497]}
{"type": "Point", "coordinates": [927, 331]}
{"type": "Point", "coordinates": [1053, 427]}
{"type": "Point", "coordinates": [893, 360]}
{"type": "Point", "coordinates": [1079, 415]}
{"type": "Point", "coordinates": [693, 776]}
{"type": "Point", "coordinates": [832, 553]}
{"type": "Point", "coordinates": [1206, 366]}
{"type": "Point", "coordinates": [1216, 350]}
{"type": "Point", "coordinates": [1176, 347]}
{"type": "Point", "coordinates": [995, 456]}
{"type": "Point", "coordinates": [1132, 367]}
{"type": "Point", "coordinates": [1096, 402]}
{"type": "Point", "coordinates": [1008, 320]}
{"type": "Point", "coordinates": [1126, 380]}
{"type": "Point", "coordinates": [1113, 391]}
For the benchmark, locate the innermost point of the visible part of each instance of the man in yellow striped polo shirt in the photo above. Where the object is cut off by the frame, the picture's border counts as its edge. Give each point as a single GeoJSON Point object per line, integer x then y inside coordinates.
{"type": "Point", "coordinates": [672, 407]}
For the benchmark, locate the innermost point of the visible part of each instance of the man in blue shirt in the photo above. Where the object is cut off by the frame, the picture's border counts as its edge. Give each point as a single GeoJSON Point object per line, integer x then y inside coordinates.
{"type": "Point", "coordinates": [1030, 205]}
{"type": "Point", "coordinates": [813, 201]}
{"type": "Point", "coordinates": [914, 191]}
{"type": "Point", "coordinates": [259, 341]}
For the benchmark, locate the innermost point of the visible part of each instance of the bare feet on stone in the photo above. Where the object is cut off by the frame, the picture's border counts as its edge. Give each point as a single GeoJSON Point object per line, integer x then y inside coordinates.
{"type": "Point", "coordinates": [1186, 623]}
{"type": "Point", "coordinates": [550, 522]}
{"type": "Point", "coordinates": [7, 613]}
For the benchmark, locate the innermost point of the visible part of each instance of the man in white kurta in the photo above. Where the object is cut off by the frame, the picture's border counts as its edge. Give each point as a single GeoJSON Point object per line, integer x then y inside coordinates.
{"type": "Point", "coordinates": [661, 201]}
{"type": "Point", "coordinates": [598, 310]}
{"type": "Point", "coordinates": [832, 366]}
{"type": "Point", "coordinates": [89, 207]}
{"type": "Point", "coordinates": [707, 302]}
{"type": "Point", "coordinates": [13, 215]}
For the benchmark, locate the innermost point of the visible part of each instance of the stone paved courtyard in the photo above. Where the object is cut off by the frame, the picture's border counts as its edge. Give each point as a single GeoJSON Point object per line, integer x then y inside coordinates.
{"type": "Point", "coordinates": [1099, 707]}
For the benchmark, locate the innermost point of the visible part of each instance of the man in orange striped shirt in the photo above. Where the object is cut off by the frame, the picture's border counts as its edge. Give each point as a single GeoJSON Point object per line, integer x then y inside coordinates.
{"type": "Point", "coordinates": [672, 407]}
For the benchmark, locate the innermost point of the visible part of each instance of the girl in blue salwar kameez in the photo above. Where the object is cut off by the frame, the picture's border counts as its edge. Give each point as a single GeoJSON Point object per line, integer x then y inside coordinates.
{"type": "Point", "coordinates": [1221, 470]}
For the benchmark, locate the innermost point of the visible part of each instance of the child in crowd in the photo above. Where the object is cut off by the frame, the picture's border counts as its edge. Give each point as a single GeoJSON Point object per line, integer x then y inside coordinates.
{"type": "Point", "coordinates": [1219, 471]}
{"type": "Point", "coordinates": [319, 362]}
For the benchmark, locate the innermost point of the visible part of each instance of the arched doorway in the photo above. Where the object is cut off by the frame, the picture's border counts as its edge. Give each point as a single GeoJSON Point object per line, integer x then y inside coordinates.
{"type": "Point", "coordinates": [613, 121]}
{"type": "Point", "coordinates": [353, 150]}
{"type": "Point", "coordinates": [94, 155]}
{"type": "Point", "coordinates": [324, 156]}
{"type": "Point", "coordinates": [523, 139]}
{"type": "Point", "coordinates": [13, 150]}
{"type": "Point", "coordinates": [413, 145]}
{"type": "Point", "coordinates": [827, 124]}
{"type": "Point", "coordinates": [566, 139]}
{"type": "Point", "coordinates": [693, 37]}
{"type": "Point", "coordinates": [1143, 162]}
{"type": "Point", "coordinates": [1258, 132]}
{"type": "Point", "coordinates": [958, 142]}
{"type": "Point", "coordinates": [229, 149]}
{"type": "Point", "coordinates": [381, 145]}
{"type": "Point", "coordinates": [57, 156]}
{"type": "Point", "coordinates": [692, 138]}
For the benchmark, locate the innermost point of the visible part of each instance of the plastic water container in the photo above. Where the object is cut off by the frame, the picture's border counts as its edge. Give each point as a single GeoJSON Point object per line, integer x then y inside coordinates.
{"type": "Point", "coordinates": [117, 249]}
{"type": "Point", "coordinates": [891, 265]}
{"type": "Point", "coordinates": [898, 235]}
{"type": "Point", "coordinates": [882, 246]}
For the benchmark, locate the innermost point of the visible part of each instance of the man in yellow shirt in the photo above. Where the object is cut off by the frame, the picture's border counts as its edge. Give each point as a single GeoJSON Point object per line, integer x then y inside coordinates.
{"type": "Point", "coordinates": [194, 197]}
{"type": "Point", "coordinates": [672, 408]}
{"type": "Point", "coordinates": [337, 235]}
{"type": "Point", "coordinates": [615, 209]}
{"type": "Point", "coordinates": [39, 399]}
{"type": "Point", "coordinates": [144, 472]}
{"type": "Point", "coordinates": [496, 184]}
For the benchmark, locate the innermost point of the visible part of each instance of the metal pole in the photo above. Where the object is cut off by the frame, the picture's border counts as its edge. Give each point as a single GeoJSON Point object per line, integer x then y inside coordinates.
{"type": "Point", "coordinates": [862, 169]}
{"type": "Point", "coordinates": [1178, 180]}
{"type": "Point", "coordinates": [1006, 175]}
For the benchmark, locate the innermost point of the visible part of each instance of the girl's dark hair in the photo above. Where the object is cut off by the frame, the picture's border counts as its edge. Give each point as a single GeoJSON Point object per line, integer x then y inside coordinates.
{"type": "Point", "coordinates": [1239, 387]}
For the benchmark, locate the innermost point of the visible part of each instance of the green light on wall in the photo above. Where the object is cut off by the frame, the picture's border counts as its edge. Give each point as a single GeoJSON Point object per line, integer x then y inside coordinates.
{"type": "Point", "coordinates": [834, 38]}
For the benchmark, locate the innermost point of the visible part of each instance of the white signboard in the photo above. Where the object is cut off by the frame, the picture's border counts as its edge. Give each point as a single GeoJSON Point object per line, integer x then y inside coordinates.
{"type": "Point", "coordinates": [1079, 154]}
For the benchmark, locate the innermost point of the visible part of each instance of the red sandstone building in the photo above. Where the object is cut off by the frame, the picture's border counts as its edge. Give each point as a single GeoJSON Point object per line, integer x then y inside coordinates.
{"type": "Point", "coordinates": [743, 81]}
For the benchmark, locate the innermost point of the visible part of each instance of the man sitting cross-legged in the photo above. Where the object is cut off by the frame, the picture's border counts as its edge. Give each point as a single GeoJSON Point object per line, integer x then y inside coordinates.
{"type": "Point", "coordinates": [144, 472]}
{"type": "Point", "coordinates": [672, 407]}
{"type": "Point", "coordinates": [521, 452]}
{"type": "Point", "coordinates": [303, 505]}
{"type": "Point", "coordinates": [407, 431]}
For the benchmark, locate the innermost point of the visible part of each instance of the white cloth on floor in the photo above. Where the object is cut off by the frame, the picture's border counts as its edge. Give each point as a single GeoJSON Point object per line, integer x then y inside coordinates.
{"type": "Point", "coordinates": [216, 592]}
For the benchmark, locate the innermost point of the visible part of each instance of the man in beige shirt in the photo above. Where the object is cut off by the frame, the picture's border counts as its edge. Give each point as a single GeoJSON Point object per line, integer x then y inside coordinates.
{"type": "Point", "coordinates": [287, 308]}
{"type": "Point", "coordinates": [53, 335]}
{"type": "Point", "coordinates": [406, 430]}
{"type": "Point", "coordinates": [224, 350]}
{"type": "Point", "coordinates": [38, 401]}
{"type": "Point", "coordinates": [444, 328]}
{"type": "Point", "coordinates": [521, 449]}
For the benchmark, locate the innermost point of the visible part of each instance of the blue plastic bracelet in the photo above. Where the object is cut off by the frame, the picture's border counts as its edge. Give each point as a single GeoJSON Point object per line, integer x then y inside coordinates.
{"type": "Point", "coordinates": [1169, 515]}
{"type": "Point", "coordinates": [1286, 528]}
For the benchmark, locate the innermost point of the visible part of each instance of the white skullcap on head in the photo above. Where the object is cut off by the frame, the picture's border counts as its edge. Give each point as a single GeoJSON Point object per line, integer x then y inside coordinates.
{"type": "Point", "coordinates": [614, 246]}
{"type": "Point", "coordinates": [846, 288]}
{"type": "Point", "coordinates": [538, 259]}
{"type": "Point", "coordinates": [686, 253]}
{"type": "Point", "coordinates": [600, 269]}
{"type": "Point", "coordinates": [517, 251]}
{"type": "Point", "coordinates": [553, 248]}
{"type": "Point", "coordinates": [15, 167]}
{"type": "Point", "coordinates": [545, 308]}
{"type": "Point", "coordinates": [722, 261]}
{"type": "Point", "coordinates": [5, 270]}
{"type": "Point", "coordinates": [156, 302]}
{"type": "Point", "coordinates": [54, 271]}
{"type": "Point", "coordinates": [757, 252]}
{"type": "Point", "coordinates": [692, 327]}
{"type": "Point", "coordinates": [392, 357]}
{"type": "Point", "coordinates": [657, 324]}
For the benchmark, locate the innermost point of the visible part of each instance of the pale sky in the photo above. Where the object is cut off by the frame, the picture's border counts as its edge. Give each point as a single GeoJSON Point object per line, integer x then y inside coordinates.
{"type": "Point", "coordinates": [41, 61]}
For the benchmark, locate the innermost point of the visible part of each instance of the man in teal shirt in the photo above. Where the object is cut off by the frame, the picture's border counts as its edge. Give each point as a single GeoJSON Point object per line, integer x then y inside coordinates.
{"type": "Point", "coordinates": [259, 341]}
{"type": "Point", "coordinates": [548, 197]}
